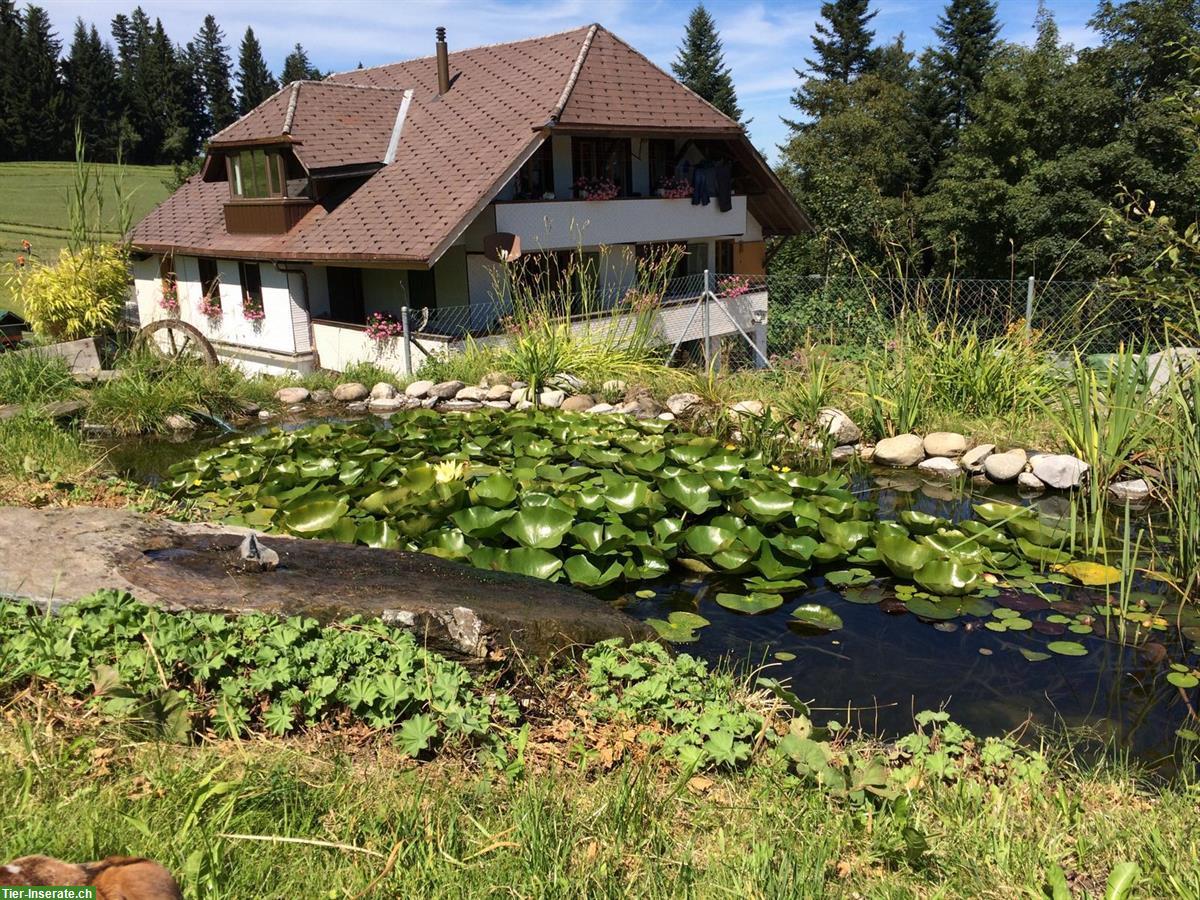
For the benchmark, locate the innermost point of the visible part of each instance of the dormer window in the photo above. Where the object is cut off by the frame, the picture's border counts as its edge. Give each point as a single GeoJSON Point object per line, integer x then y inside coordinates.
{"type": "Point", "coordinates": [257, 174]}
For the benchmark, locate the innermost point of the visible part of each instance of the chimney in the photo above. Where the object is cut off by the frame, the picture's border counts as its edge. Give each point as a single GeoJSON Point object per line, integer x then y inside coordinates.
{"type": "Point", "coordinates": [443, 61]}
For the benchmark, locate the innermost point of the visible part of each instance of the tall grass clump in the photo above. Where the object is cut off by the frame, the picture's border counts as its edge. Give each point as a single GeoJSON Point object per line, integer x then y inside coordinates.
{"type": "Point", "coordinates": [1183, 483]}
{"type": "Point", "coordinates": [469, 366]}
{"type": "Point", "coordinates": [33, 445]}
{"type": "Point", "coordinates": [564, 320]}
{"type": "Point", "coordinates": [150, 389]}
{"type": "Point", "coordinates": [31, 376]}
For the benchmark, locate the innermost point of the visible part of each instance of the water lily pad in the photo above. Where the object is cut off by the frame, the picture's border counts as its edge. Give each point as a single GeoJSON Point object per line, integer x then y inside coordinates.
{"type": "Point", "coordinates": [754, 604]}
{"type": "Point", "coordinates": [1034, 655]}
{"type": "Point", "coordinates": [691, 492]}
{"type": "Point", "coordinates": [846, 577]}
{"type": "Point", "coordinates": [708, 539]}
{"type": "Point", "coordinates": [539, 526]}
{"type": "Point", "coordinates": [921, 523]}
{"type": "Point", "coordinates": [902, 556]}
{"type": "Point", "coordinates": [481, 521]}
{"type": "Point", "coordinates": [931, 609]}
{"type": "Point", "coordinates": [992, 511]}
{"type": "Point", "coordinates": [816, 615]}
{"type": "Point", "coordinates": [768, 506]}
{"type": "Point", "coordinates": [532, 561]}
{"type": "Point", "coordinates": [1067, 648]}
{"type": "Point", "coordinates": [583, 572]}
{"type": "Point", "coordinates": [1184, 680]}
{"type": "Point", "coordinates": [784, 656]}
{"type": "Point", "coordinates": [679, 627]}
{"type": "Point", "coordinates": [1039, 553]}
{"type": "Point", "coordinates": [1092, 574]}
{"type": "Point", "coordinates": [947, 577]}
{"type": "Point", "coordinates": [315, 517]}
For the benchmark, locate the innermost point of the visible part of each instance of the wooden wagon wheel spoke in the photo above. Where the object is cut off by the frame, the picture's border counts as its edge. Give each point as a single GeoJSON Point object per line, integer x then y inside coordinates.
{"type": "Point", "coordinates": [173, 339]}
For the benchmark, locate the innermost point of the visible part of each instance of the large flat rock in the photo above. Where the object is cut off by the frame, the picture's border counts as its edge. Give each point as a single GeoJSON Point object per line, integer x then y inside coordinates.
{"type": "Point", "coordinates": [64, 554]}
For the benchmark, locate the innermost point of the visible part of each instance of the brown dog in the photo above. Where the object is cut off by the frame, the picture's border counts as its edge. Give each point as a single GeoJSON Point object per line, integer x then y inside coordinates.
{"type": "Point", "coordinates": [114, 878]}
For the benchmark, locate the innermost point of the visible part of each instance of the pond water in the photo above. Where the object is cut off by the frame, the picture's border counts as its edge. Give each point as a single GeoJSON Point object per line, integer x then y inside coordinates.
{"type": "Point", "coordinates": [1007, 660]}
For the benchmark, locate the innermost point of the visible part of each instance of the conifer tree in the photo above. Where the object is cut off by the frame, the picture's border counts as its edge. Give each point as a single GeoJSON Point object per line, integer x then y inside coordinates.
{"type": "Point", "coordinates": [12, 135]}
{"type": "Point", "coordinates": [700, 64]}
{"type": "Point", "coordinates": [40, 96]}
{"type": "Point", "coordinates": [966, 32]}
{"type": "Point", "coordinates": [90, 82]}
{"type": "Point", "coordinates": [843, 45]}
{"type": "Point", "coordinates": [296, 67]}
{"type": "Point", "coordinates": [255, 81]}
{"type": "Point", "coordinates": [213, 67]}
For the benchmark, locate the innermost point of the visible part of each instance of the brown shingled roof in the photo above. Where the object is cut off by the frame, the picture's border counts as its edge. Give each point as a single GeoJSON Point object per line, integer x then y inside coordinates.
{"type": "Point", "coordinates": [455, 150]}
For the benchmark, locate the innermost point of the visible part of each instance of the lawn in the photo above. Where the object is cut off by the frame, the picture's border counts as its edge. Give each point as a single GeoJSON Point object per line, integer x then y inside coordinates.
{"type": "Point", "coordinates": [33, 205]}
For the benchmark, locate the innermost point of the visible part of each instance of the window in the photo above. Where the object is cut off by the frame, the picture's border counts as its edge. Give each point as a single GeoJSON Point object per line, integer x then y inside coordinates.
{"type": "Point", "coordinates": [602, 159]}
{"type": "Point", "coordinates": [650, 255]}
{"type": "Point", "coordinates": [558, 278]}
{"type": "Point", "coordinates": [724, 257]}
{"type": "Point", "coordinates": [210, 281]}
{"type": "Point", "coordinates": [422, 289]}
{"type": "Point", "coordinates": [251, 278]}
{"type": "Point", "coordinates": [697, 258]}
{"type": "Point", "coordinates": [661, 162]}
{"type": "Point", "coordinates": [536, 178]}
{"type": "Point", "coordinates": [257, 174]}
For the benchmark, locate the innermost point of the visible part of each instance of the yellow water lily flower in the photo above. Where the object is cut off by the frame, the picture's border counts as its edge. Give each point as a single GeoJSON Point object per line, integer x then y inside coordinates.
{"type": "Point", "coordinates": [449, 470]}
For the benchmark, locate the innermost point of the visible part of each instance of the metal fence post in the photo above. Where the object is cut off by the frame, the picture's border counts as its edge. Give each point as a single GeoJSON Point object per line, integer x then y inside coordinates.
{"type": "Point", "coordinates": [707, 330]}
{"type": "Point", "coordinates": [407, 341]}
{"type": "Point", "coordinates": [1029, 306]}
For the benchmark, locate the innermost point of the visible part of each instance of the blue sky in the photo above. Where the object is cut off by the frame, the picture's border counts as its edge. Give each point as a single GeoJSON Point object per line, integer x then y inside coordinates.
{"type": "Point", "coordinates": [764, 41]}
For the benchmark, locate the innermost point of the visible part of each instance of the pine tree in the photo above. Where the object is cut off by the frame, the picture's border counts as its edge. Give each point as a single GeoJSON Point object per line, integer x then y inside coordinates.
{"type": "Point", "coordinates": [966, 33]}
{"type": "Point", "coordinates": [701, 64]}
{"type": "Point", "coordinates": [12, 132]}
{"type": "Point", "coordinates": [254, 79]}
{"type": "Point", "coordinates": [296, 67]}
{"type": "Point", "coordinates": [41, 93]}
{"type": "Point", "coordinates": [90, 81]}
{"type": "Point", "coordinates": [844, 48]}
{"type": "Point", "coordinates": [213, 66]}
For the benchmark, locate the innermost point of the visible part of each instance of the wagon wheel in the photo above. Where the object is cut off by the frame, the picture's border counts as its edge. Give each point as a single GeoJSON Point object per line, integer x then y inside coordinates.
{"type": "Point", "coordinates": [176, 340]}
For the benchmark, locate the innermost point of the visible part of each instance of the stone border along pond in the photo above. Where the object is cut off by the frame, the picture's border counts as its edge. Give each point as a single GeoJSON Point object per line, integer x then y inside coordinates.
{"type": "Point", "coordinates": [938, 456]}
{"type": "Point", "coordinates": [602, 500]}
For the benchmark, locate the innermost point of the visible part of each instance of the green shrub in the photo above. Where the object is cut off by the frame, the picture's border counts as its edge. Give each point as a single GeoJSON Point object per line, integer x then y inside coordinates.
{"type": "Point", "coordinates": [469, 366]}
{"type": "Point", "coordinates": [33, 377]}
{"type": "Point", "coordinates": [79, 296]}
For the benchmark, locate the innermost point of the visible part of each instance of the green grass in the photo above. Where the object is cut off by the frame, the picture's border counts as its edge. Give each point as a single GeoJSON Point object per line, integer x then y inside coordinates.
{"type": "Point", "coordinates": [34, 206]}
{"type": "Point", "coordinates": [32, 446]}
{"type": "Point", "coordinates": [35, 378]}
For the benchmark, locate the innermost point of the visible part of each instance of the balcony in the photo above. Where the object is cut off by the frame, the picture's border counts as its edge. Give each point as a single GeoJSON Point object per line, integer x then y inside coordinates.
{"type": "Point", "coordinates": [563, 224]}
{"type": "Point", "coordinates": [271, 216]}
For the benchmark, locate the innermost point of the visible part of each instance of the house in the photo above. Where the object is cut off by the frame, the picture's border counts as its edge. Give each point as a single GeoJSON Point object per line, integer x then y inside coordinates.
{"type": "Point", "coordinates": [400, 187]}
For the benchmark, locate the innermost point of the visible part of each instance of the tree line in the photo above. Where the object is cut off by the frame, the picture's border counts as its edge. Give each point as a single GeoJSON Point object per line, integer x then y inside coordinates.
{"type": "Point", "coordinates": [979, 156]}
{"type": "Point", "coordinates": [142, 96]}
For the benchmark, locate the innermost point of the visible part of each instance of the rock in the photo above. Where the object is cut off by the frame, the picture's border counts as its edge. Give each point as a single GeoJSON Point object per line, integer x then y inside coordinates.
{"type": "Point", "coordinates": [498, 392]}
{"type": "Point", "coordinates": [497, 404]}
{"type": "Point", "coordinates": [940, 467]}
{"type": "Point", "coordinates": [459, 405]}
{"type": "Point", "coordinates": [648, 407]}
{"type": "Point", "coordinates": [320, 395]}
{"type": "Point", "coordinates": [628, 408]}
{"type": "Point", "coordinates": [578, 403]}
{"type": "Point", "coordinates": [900, 452]}
{"type": "Point", "coordinates": [980, 481]}
{"type": "Point", "coordinates": [389, 404]}
{"type": "Point", "coordinates": [866, 452]}
{"type": "Point", "coordinates": [1162, 366]}
{"type": "Point", "coordinates": [753, 408]}
{"type": "Point", "coordinates": [429, 402]}
{"type": "Point", "coordinates": [552, 399]}
{"type": "Point", "coordinates": [383, 391]}
{"type": "Point", "coordinates": [1133, 491]}
{"type": "Point", "coordinates": [1027, 481]}
{"type": "Point", "coordinates": [614, 386]}
{"type": "Point", "coordinates": [666, 417]}
{"type": "Point", "coordinates": [601, 408]}
{"type": "Point", "coordinates": [264, 414]}
{"type": "Point", "coordinates": [419, 388]}
{"type": "Point", "coordinates": [519, 395]}
{"type": "Point", "coordinates": [1059, 470]}
{"type": "Point", "coordinates": [357, 406]}
{"type": "Point", "coordinates": [949, 444]}
{"type": "Point", "coordinates": [973, 459]}
{"type": "Point", "coordinates": [681, 403]}
{"type": "Point", "coordinates": [494, 379]}
{"type": "Point", "coordinates": [567, 382]}
{"type": "Point", "coordinates": [523, 405]}
{"type": "Point", "coordinates": [289, 395]}
{"type": "Point", "coordinates": [176, 422]}
{"type": "Point", "coordinates": [1003, 468]}
{"type": "Point", "coordinates": [445, 390]}
{"type": "Point", "coordinates": [839, 426]}
{"type": "Point", "coordinates": [843, 453]}
{"type": "Point", "coordinates": [56, 555]}
{"type": "Point", "coordinates": [472, 393]}
{"type": "Point", "coordinates": [517, 385]}
{"type": "Point", "coordinates": [255, 557]}
{"type": "Point", "coordinates": [249, 408]}
{"type": "Point", "coordinates": [351, 392]}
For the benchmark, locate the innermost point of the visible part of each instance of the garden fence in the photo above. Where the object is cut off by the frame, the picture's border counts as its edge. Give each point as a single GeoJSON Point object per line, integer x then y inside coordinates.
{"type": "Point", "coordinates": [841, 311]}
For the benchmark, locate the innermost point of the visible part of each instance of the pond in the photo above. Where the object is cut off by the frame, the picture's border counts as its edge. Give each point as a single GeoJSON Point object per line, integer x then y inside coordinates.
{"type": "Point", "coordinates": [876, 594]}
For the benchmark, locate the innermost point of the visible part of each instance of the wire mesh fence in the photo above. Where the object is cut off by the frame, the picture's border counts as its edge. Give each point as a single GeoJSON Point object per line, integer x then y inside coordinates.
{"type": "Point", "coordinates": [751, 321]}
